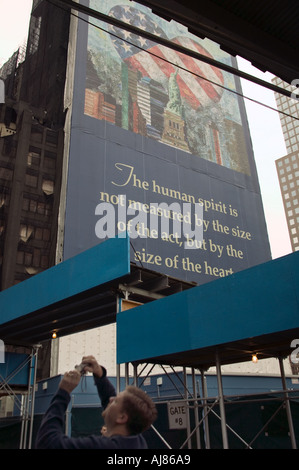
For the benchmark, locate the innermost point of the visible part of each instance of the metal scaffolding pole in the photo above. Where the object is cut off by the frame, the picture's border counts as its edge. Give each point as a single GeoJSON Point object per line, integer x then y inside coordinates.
{"type": "Point", "coordinates": [126, 374]}
{"type": "Point", "coordinates": [24, 414]}
{"type": "Point", "coordinates": [287, 404]}
{"type": "Point", "coordinates": [196, 419]}
{"type": "Point", "coordinates": [33, 365]}
{"type": "Point", "coordinates": [187, 407]}
{"type": "Point", "coordinates": [29, 399]}
{"type": "Point", "coordinates": [117, 378]}
{"type": "Point", "coordinates": [205, 409]}
{"type": "Point", "coordinates": [221, 403]}
{"type": "Point", "coordinates": [135, 366]}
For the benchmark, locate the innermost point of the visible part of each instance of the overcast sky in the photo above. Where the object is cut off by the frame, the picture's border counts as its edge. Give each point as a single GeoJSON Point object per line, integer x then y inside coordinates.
{"type": "Point", "coordinates": [266, 134]}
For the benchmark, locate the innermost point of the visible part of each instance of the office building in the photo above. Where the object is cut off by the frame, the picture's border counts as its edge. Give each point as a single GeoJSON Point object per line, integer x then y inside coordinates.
{"type": "Point", "coordinates": [288, 165]}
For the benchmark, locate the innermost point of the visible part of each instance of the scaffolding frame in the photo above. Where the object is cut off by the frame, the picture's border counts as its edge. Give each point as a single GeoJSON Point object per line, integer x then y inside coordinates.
{"type": "Point", "coordinates": [26, 403]}
{"type": "Point", "coordinates": [206, 404]}
{"type": "Point", "coordinates": [21, 306]}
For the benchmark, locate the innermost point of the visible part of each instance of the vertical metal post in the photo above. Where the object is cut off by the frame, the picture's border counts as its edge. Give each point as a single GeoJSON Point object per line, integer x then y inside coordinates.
{"type": "Point", "coordinates": [33, 360]}
{"type": "Point", "coordinates": [205, 409]}
{"type": "Point", "coordinates": [117, 378]}
{"type": "Point", "coordinates": [187, 407]}
{"type": "Point", "coordinates": [118, 309]}
{"type": "Point", "coordinates": [287, 404]}
{"type": "Point", "coordinates": [196, 419]}
{"type": "Point", "coordinates": [135, 375]}
{"type": "Point", "coordinates": [126, 374]}
{"type": "Point", "coordinates": [24, 430]}
{"type": "Point", "coordinates": [24, 420]}
{"type": "Point", "coordinates": [221, 403]}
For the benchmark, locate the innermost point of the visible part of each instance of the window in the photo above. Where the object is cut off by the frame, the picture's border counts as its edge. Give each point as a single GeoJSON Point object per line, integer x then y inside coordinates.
{"type": "Point", "coordinates": [37, 134]}
{"type": "Point", "coordinates": [33, 159]}
{"type": "Point", "coordinates": [31, 180]}
{"type": "Point", "coordinates": [50, 160]}
{"type": "Point", "coordinates": [48, 187]}
{"type": "Point", "coordinates": [6, 174]}
{"type": "Point", "coordinates": [26, 231]}
{"type": "Point", "coordinates": [52, 137]}
{"type": "Point", "coordinates": [34, 34]}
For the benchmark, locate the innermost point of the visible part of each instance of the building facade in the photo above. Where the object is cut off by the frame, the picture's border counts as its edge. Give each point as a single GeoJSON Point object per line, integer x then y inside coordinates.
{"type": "Point", "coordinates": [31, 152]}
{"type": "Point", "coordinates": [288, 165]}
{"type": "Point", "coordinates": [288, 175]}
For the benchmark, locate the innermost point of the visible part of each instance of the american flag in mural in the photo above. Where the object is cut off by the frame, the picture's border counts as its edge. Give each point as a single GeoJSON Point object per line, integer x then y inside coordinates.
{"type": "Point", "coordinates": [159, 62]}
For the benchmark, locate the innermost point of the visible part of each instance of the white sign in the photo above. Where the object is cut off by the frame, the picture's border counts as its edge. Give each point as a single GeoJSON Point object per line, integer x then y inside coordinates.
{"type": "Point", "coordinates": [177, 415]}
{"type": "Point", "coordinates": [2, 91]}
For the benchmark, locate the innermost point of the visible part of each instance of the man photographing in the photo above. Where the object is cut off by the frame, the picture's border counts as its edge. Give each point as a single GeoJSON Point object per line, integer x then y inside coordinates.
{"type": "Point", "coordinates": [126, 415]}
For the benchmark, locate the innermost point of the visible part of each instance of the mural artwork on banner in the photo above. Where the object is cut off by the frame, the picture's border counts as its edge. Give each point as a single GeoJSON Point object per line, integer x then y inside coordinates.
{"type": "Point", "coordinates": [160, 149]}
{"type": "Point", "coordinates": [160, 93]}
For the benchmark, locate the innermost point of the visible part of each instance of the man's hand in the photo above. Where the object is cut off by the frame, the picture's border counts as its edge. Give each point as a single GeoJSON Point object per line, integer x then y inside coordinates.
{"type": "Point", "coordinates": [70, 381]}
{"type": "Point", "coordinates": [92, 366]}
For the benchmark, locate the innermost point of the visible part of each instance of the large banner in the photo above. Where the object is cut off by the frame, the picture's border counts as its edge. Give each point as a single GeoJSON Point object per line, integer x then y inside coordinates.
{"type": "Point", "coordinates": [160, 149]}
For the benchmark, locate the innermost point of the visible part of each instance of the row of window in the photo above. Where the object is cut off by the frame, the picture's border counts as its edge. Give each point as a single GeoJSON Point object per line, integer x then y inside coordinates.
{"type": "Point", "coordinates": [292, 147]}
{"type": "Point", "coordinates": [289, 179]}
{"type": "Point", "coordinates": [287, 160]}
{"type": "Point", "coordinates": [28, 232]}
{"type": "Point", "coordinates": [292, 212]}
{"type": "Point", "coordinates": [288, 105]}
{"type": "Point", "coordinates": [35, 259]}
{"type": "Point", "coordinates": [288, 169]}
{"type": "Point", "coordinates": [35, 155]}
{"type": "Point", "coordinates": [293, 221]}
{"type": "Point", "coordinates": [36, 206]}
{"type": "Point", "coordinates": [32, 180]}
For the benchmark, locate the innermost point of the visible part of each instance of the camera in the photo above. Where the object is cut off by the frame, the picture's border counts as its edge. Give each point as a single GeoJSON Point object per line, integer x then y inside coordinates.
{"type": "Point", "coordinates": [80, 368]}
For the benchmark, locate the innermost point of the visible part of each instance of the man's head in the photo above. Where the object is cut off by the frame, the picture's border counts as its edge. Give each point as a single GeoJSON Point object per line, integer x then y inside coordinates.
{"type": "Point", "coordinates": [132, 410]}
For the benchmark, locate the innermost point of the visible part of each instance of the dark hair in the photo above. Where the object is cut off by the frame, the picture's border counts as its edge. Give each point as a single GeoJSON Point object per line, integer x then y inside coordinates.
{"type": "Point", "coordinates": [140, 409]}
